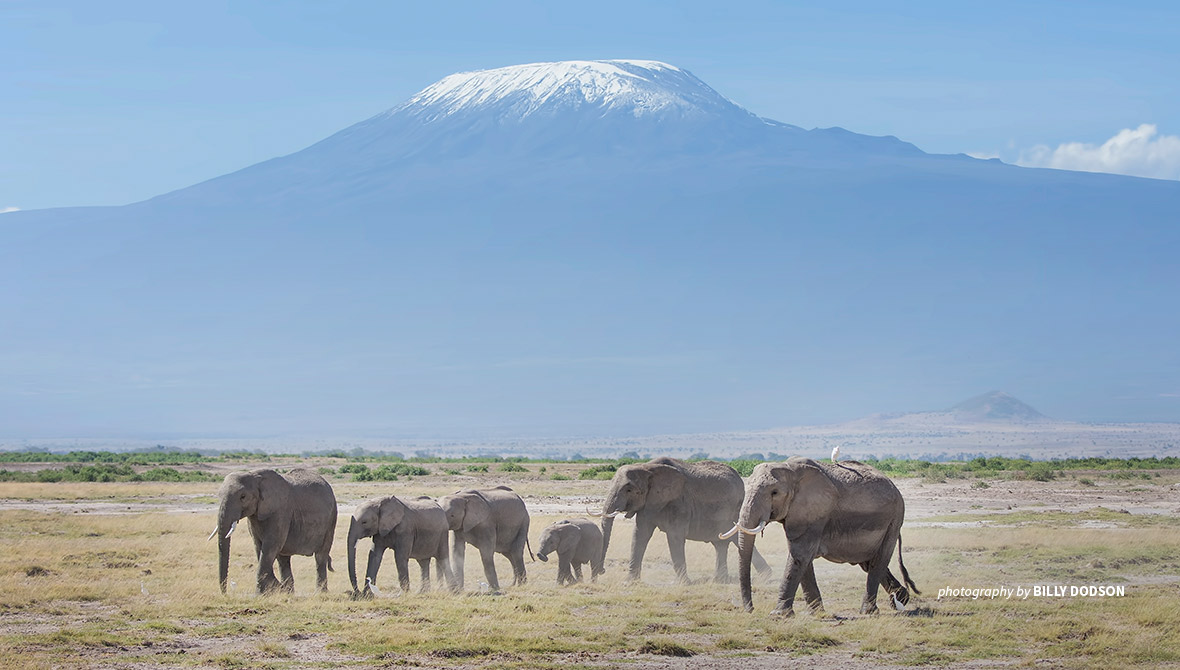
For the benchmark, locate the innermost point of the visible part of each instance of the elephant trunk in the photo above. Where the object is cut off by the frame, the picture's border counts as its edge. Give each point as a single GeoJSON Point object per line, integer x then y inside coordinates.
{"type": "Point", "coordinates": [745, 554]}
{"type": "Point", "coordinates": [608, 523]}
{"type": "Point", "coordinates": [354, 535]}
{"type": "Point", "coordinates": [753, 518]}
{"type": "Point", "coordinates": [225, 521]}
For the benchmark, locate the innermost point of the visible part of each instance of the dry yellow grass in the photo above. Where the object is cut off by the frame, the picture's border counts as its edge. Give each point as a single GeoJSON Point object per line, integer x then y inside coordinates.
{"type": "Point", "coordinates": [140, 590]}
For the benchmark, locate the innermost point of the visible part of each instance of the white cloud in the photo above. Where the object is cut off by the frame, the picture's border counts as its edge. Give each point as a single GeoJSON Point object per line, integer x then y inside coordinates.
{"type": "Point", "coordinates": [5, 210]}
{"type": "Point", "coordinates": [1141, 152]}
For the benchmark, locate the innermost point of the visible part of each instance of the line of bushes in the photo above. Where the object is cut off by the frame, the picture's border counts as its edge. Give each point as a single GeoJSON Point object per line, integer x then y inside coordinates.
{"type": "Point", "coordinates": [107, 472]}
{"type": "Point", "coordinates": [389, 472]}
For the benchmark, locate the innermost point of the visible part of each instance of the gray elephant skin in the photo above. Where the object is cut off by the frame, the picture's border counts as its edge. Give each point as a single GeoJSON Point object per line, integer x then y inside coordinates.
{"type": "Point", "coordinates": [575, 541]}
{"type": "Point", "coordinates": [414, 528]}
{"type": "Point", "coordinates": [688, 501]}
{"type": "Point", "coordinates": [846, 512]}
{"type": "Point", "coordinates": [494, 521]}
{"type": "Point", "coordinates": [290, 515]}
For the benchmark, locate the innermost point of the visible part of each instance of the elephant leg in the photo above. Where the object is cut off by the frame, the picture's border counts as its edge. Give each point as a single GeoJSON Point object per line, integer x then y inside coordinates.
{"type": "Point", "coordinates": [515, 556]}
{"type": "Point", "coordinates": [488, 556]}
{"type": "Point", "coordinates": [424, 566]}
{"type": "Point", "coordinates": [876, 569]}
{"type": "Point", "coordinates": [402, 560]}
{"type": "Point", "coordinates": [676, 549]}
{"type": "Point", "coordinates": [639, 542]}
{"type": "Point", "coordinates": [446, 576]}
{"type": "Point", "coordinates": [721, 572]}
{"type": "Point", "coordinates": [458, 556]}
{"type": "Point", "coordinates": [287, 583]}
{"type": "Point", "coordinates": [266, 570]}
{"type": "Point", "coordinates": [321, 571]}
{"type": "Point", "coordinates": [894, 588]}
{"type": "Point", "coordinates": [811, 590]}
{"type": "Point", "coordinates": [375, 556]}
{"type": "Point", "coordinates": [801, 556]}
{"type": "Point", "coordinates": [577, 572]}
{"type": "Point", "coordinates": [563, 570]}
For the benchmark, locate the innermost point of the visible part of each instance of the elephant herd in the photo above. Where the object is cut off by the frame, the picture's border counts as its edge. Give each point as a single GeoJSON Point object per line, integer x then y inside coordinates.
{"type": "Point", "coordinates": [846, 512]}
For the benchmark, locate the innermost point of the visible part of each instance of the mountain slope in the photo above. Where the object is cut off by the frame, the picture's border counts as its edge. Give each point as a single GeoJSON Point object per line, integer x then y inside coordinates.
{"type": "Point", "coordinates": [585, 248]}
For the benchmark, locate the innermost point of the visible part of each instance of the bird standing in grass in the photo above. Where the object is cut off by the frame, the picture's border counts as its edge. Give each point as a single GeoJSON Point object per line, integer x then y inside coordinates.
{"type": "Point", "coordinates": [372, 586]}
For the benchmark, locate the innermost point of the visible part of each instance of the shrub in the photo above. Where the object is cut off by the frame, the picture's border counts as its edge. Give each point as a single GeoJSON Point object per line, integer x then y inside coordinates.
{"type": "Point", "coordinates": [513, 467]}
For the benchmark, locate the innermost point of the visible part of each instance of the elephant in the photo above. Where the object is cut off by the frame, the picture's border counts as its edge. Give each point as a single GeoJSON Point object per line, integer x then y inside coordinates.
{"type": "Point", "coordinates": [493, 521]}
{"type": "Point", "coordinates": [688, 501]}
{"type": "Point", "coordinates": [414, 529]}
{"type": "Point", "coordinates": [292, 514]}
{"type": "Point", "coordinates": [846, 512]}
{"type": "Point", "coordinates": [576, 541]}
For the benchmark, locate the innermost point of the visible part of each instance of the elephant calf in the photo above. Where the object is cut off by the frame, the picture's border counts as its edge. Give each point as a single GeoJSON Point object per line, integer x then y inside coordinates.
{"type": "Point", "coordinates": [576, 541]}
{"type": "Point", "coordinates": [415, 529]}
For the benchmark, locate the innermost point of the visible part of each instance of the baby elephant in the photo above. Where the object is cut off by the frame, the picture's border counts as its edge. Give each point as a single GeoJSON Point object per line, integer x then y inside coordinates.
{"type": "Point", "coordinates": [576, 541]}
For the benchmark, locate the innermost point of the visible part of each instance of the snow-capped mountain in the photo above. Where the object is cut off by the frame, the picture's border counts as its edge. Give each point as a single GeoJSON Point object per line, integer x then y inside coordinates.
{"type": "Point", "coordinates": [635, 87]}
{"type": "Point", "coordinates": [492, 122]}
{"type": "Point", "coordinates": [586, 247]}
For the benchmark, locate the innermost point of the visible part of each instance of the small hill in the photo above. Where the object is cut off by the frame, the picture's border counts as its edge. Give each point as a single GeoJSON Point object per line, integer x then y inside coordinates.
{"type": "Point", "coordinates": [995, 406]}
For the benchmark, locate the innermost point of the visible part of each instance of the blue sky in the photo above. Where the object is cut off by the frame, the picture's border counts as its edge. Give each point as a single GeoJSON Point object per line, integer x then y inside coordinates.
{"type": "Point", "coordinates": [113, 102]}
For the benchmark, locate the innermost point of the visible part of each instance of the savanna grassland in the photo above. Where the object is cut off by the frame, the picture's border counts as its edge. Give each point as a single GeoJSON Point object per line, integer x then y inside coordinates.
{"type": "Point", "coordinates": [118, 574]}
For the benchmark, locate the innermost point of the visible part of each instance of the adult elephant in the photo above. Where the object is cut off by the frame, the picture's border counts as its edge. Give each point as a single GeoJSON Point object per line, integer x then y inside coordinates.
{"type": "Point", "coordinates": [846, 512]}
{"type": "Point", "coordinates": [493, 521]}
{"type": "Point", "coordinates": [290, 515]}
{"type": "Point", "coordinates": [415, 529]}
{"type": "Point", "coordinates": [688, 501]}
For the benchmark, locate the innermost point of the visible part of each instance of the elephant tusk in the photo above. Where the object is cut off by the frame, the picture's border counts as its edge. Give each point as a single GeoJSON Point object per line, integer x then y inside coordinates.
{"type": "Point", "coordinates": [212, 534]}
{"type": "Point", "coordinates": [232, 527]}
{"type": "Point", "coordinates": [729, 533]}
{"type": "Point", "coordinates": [753, 531]}
{"type": "Point", "coordinates": [592, 512]}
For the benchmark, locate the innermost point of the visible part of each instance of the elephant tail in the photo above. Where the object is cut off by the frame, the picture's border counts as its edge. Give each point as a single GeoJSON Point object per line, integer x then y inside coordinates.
{"type": "Point", "coordinates": [530, 548]}
{"type": "Point", "coordinates": [905, 573]}
{"type": "Point", "coordinates": [331, 570]}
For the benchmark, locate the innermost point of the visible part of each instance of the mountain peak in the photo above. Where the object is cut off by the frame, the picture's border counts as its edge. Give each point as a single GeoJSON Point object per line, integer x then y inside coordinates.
{"type": "Point", "coordinates": [636, 87]}
{"type": "Point", "coordinates": [995, 406]}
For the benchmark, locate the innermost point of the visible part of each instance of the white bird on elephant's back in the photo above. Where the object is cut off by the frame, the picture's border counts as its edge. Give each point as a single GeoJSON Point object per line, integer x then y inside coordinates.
{"type": "Point", "coordinates": [835, 453]}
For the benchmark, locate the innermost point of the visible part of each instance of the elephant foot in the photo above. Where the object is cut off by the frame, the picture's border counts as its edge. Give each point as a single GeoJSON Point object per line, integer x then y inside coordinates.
{"type": "Point", "coordinates": [749, 607]}
{"type": "Point", "coordinates": [783, 612]}
{"type": "Point", "coordinates": [816, 608]}
{"type": "Point", "coordinates": [868, 608]}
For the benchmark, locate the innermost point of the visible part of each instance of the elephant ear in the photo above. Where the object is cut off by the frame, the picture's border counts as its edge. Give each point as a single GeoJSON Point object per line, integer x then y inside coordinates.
{"type": "Point", "coordinates": [665, 484]}
{"type": "Point", "coordinates": [478, 511]}
{"type": "Point", "coordinates": [569, 537]}
{"type": "Point", "coordinates": [274, 494]}
{"type": "Point", "coordinates": [814, 495]}
{"type": "Point", "coordinates": [389, 515]}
